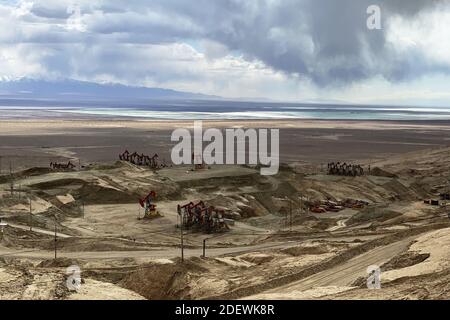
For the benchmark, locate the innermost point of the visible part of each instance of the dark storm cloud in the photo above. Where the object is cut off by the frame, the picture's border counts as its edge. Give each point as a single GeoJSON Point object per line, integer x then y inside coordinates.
{"type": "Point", "coordinates": [409, 7]}
{"type": "Point", "coordinates": [326, 41]}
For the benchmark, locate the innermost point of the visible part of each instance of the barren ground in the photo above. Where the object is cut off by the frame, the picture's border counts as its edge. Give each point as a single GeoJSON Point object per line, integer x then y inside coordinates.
{"type": "Point", "coordinates": [270, 252]}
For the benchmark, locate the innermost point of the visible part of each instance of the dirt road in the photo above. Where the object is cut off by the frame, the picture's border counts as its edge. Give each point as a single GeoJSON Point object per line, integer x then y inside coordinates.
{"type": "Point", "coordinates": [344, 274]}
{"type": "Point", "coordinates": [38, 230]}
{"type": "Point", "coordinates": [158, 253]}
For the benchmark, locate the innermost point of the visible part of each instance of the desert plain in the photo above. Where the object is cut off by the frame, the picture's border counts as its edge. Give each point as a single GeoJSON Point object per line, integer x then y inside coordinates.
{"type": "Point", "coordinates": [277, 246]}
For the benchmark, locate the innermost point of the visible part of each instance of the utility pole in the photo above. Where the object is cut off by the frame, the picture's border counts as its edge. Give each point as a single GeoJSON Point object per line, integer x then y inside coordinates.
{"type": "Point", "coordinates": [11, 178]}
{"type": "Point", "coordinates": [55, 236]}
{"type": "Point", "coordinates": [286, 219]}
{"type": "Point", "coordinates": [290, 213]}
{"type": "Point", "coordinates": [307, 207]}
{"type": "Point", "coordinates": [204, 248]}
{"type": "Point", "coordinates": [182, 240]}
{"type": "Point", "coordinates": [301, 204]}
{"type": "Point", "coordinates": [2, 228]}
{"type": "Point", "coordinates": [31, 215]}
{"type": "Point", "coordinates": [82, 204]}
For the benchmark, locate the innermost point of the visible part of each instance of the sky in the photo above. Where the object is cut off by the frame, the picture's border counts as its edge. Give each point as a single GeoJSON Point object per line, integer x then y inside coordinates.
{"type": "Point", "coordinates": [288, 50]}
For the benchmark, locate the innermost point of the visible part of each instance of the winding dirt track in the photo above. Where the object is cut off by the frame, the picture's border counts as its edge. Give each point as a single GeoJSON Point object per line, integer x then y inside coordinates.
{"type": "Point", "coordinates": [344, 274]}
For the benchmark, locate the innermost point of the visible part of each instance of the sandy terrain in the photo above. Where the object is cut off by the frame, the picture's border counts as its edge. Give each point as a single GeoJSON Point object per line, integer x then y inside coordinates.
{"type": "Point", "coordinates": [275, 248]}
{"type": "Point", "coordinates": [31, 143]}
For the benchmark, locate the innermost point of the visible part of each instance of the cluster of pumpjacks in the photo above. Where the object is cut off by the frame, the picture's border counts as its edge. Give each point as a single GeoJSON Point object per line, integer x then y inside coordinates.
{"type": "Point", "coordinates": [345, 169]}
{"type": "Point", "coordinates": [141, 159]}
{"type": "Point", "coordinates": [62, 166]}
{"type": "Point", "coordinates": [202, 217]}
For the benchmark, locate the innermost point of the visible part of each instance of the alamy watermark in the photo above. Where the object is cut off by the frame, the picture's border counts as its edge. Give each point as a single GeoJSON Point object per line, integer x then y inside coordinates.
{"type": "Point", "coordinates": [239, 146]}
{"type": "Point", "coordinates": [73, 281]}
{"type": "Point", "coordinates": [374, 279]}
{"type": "Point", "coordinates": [373, 21]}
{"type": "Point", "coordinates": [74, 21]}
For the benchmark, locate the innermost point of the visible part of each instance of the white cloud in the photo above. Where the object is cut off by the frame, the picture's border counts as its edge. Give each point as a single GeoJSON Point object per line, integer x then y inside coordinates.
{"type": "Point", "coordinates": [427, 34]}
{"type": "Point", "coordinates": [21, 60]}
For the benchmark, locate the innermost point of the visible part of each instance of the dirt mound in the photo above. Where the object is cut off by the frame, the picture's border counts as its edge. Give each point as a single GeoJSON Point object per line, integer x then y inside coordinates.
{"type": "Point", "coordinates": [168, 281]}
{"type": "Point", "coordinates": [434, 286]}
{"type": "Point", "coordinates": [238, 206]}
{"type": "Point", "coordinates": [95, 194]}
{"type": "Point", "coordinates": [222, 202]}
{"type": "Point", "coordinates": [419, 190]}
{"type": "Point", "coordinates": [360, 282]}
{"type": "Point", "coordinates": [98, 244]}
{"type": "Point", "coordinates": [58, 263]}
{"type": "Point", "coordinates": [398, 262]}
{"type": "Point", "coordinates": [266, 201]}
{"type": "Point", "coordinates": [285, 189]}
{"type": "Point", "coordinates": [10, 201]}
{"type": "Point", "coordinates": [399, 190]}
{"type": "Point", "coordinates": [60, 183]}
{"type": "Point", "coordinates": [19, 238]}
{"type": "Point", "coordinates": [246, 211]}
{"type": "Point", "coordinates": [378, 172]}
{"type": "Point", "coordinates": [405, 260]}
{"type": "Point", "coordinates": [112, 166]}
{"type": "Point", "coordinates": [373, 213]}
{"type": "Point", "coordinates": [36, 171]}
{"type": "Point", "coordinates": [257, 258]}
{"type": "Point", "coordinates": [303, 250]}
{"type": "Point", "coordinates": [72, 209]}
{"type": "Point", "coordinates": [232, 181]}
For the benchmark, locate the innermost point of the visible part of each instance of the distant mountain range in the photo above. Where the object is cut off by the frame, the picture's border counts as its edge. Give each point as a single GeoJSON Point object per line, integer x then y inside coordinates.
{"type": "Point", "coordinates": [68, 90]}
